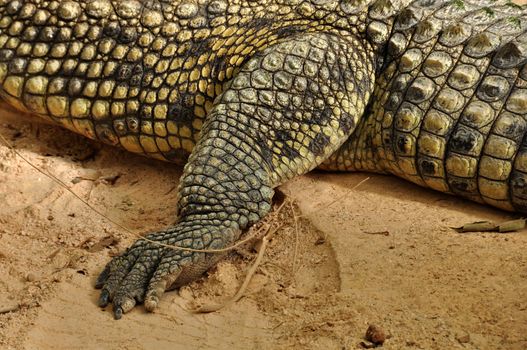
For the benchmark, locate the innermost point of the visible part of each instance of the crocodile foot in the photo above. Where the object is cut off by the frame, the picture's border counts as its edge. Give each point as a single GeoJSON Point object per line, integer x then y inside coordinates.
{"type": "Point", "coordinates": [150, 267]}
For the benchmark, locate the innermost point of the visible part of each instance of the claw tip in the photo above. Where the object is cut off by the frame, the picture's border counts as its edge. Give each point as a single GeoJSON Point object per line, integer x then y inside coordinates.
{"type": "Point", "coordinates": [150, 304]}
{"type": "Point", "coordinates": [118, 313]}
{"type": "Point", "coordinates": [104, 298]}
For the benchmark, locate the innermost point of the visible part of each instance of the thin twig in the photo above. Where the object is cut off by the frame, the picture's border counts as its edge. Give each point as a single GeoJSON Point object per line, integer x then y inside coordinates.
{"type": "Point", "coordinates": [297, 240]}
{"type": "Point", "coordinates": [383, 233]}
{"type": "Point", "coordinates": [338, 198]}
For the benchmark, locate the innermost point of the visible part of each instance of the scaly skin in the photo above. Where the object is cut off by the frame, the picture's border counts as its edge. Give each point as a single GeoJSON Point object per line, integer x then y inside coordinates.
{"type": "Point", "coordinates": [450, 104]}
{"type": "Point", "coordinates": [257, 92]}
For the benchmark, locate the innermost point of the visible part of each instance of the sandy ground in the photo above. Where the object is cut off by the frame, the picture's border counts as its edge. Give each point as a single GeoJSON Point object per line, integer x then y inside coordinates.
{"type": "Point", "coordinates": [347, 256]}
{"type": "Point", "coordinates": [353, 250]}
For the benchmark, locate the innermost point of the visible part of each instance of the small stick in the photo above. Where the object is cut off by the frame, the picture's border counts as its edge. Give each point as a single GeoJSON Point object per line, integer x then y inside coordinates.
{"type": "Point", "coordinates": [383, 233]}
{"type": "Point", "coordinates": [297, 240]}
{"type": "Point", "coordinates": [338, 198]}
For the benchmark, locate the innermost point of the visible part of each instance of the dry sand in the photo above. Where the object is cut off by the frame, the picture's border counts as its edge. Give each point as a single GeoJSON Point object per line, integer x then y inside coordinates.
{"type": "Point", "coordinates": [347, 256]}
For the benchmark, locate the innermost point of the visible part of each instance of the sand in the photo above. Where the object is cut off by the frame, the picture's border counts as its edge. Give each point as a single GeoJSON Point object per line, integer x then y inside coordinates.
{"type": "Point", "coordinates": [354, 250]}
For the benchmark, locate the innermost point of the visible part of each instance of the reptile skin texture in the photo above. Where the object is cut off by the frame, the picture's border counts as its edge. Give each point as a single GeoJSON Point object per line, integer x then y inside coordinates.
{"type": "Point", "coordinates": [250, 93]}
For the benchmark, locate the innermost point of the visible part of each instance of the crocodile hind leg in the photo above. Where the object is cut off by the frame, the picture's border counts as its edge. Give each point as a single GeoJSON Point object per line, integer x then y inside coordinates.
{"type": "Point", "coordinates": [286, 111]}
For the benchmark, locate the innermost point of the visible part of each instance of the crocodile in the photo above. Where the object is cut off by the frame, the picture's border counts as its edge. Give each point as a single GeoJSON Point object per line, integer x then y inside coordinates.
{"type": "Point", "coordinates": [251, 93]}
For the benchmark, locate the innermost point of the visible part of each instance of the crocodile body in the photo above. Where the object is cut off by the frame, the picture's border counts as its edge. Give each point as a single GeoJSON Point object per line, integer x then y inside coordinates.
{"type": "Point", "coordinates": [253, 93]}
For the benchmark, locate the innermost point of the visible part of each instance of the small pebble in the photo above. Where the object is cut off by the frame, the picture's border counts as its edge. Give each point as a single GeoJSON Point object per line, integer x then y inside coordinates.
{"type": "Point", "coordinates": [463, 339]}
{"type": "Point", "coordinates": [31, 277]}
{"type": "Point", "coordinates": [375, 335]}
